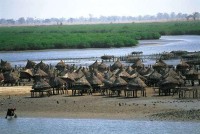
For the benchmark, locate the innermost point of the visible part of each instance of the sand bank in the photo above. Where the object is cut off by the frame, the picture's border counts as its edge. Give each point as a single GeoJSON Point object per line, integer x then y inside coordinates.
{"type": "Point", "coordinates": [152, 107]}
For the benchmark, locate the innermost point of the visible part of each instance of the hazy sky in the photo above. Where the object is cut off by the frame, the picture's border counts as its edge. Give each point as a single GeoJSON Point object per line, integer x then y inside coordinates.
{"type": "Point", "coordinates": [76, 8]}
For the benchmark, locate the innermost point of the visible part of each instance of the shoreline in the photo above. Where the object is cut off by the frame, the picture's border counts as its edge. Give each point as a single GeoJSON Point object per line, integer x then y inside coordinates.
{"type": "Point", "coordinates": [150, 108]}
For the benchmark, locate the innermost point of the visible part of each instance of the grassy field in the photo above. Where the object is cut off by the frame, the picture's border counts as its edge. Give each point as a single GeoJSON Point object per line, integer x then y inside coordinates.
{"type": "Point", "coordinates": [90, 36]}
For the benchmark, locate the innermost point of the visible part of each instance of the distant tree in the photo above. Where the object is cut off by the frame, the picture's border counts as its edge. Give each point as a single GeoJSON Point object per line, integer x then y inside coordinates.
{"type": "Point", "coordinates": [196, 15]}
{"type": "Point", "coordinates": [21, 20]}
{"type": "Point", "coordinates": [30, 20]}
{"type": "Point", "coordinates": [172, 15]}
{"type": "Point", "coordinates": [11, 21]}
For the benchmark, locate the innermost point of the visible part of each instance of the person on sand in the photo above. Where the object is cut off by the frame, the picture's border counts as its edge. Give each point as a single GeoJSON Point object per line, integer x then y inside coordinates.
{"type": "Point", "coordinates": [11, 112]}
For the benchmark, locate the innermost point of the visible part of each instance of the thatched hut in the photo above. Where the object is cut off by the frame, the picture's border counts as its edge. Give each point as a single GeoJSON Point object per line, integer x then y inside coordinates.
{"type": "Point", "coordinates": [102, 67]}
{"type": "Point", "coordinates": [160, 65]}
{"type": "Point", "coordinates": [153, 78]}
{"type": "Point", "coordinates": [42, 66]}
{"type": "Point", "coordinates": [82, 85]}
{"type": "Point", "coordinates": [94, 65]}
{"type": "Point", "coordinates": [133, 86]}
{"type": "Point", "coordinates": [192, 75]}
{"type": "Point", "coordinates": [30, 64]}
{"type": "Point", "coordinates": [40, 87]}
{"type": "Point", "coordinates": [138, 64]}
{"type": "Point", "coordinates": [26, 74]}
{"type": "Point", "coordinates": [95, 82]}
{"type": "Point", "coordinates": [60, 65]}
{"type": "Point", "coordinates": [117, 64]}
{"type": "Point", "coordinates": [182, 67]}
{"type": "Point", "coordinates": [5, 66]}
{"type": "Point", "coordinates": [39, 74]}
{"type": "Point", "coordinates": [10, 77]}
{"type": "Point", "coordinates": [118, 85]}
{"type": "Point", "coordinates": [168, 85]}
{"type": "Point", "coordinates": [59, 84]}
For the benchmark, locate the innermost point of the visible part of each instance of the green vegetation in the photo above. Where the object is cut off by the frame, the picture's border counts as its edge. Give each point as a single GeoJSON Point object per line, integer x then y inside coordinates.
{"type": "Point", "coordinates": [90, 36]}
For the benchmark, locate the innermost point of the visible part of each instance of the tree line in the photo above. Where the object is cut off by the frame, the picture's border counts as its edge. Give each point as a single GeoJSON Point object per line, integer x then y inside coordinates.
{"type": "Point", "coordinates": [101, 19]}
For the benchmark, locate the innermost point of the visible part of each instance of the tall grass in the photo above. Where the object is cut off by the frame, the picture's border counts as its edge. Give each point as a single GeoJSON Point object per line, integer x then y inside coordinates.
{"type": "Point", "coordinates": [90, 36]}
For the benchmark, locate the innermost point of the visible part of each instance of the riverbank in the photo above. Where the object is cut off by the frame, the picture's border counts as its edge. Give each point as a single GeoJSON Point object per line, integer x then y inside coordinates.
{"type": "Point", "coordinates": [152, 107]}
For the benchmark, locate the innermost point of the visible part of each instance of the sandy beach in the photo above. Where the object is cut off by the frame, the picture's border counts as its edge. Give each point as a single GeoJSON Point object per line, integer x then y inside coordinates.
{"type": "Point", "coordinates": [152, 107]}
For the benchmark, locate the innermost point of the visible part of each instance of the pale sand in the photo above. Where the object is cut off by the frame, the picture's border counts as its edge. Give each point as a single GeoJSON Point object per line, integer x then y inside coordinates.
{"type": "Point", "coordinates": [66, 106]}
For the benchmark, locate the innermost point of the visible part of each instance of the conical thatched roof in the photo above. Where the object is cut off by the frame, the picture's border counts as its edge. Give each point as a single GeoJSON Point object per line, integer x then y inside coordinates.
{"type": "Point", "coordinates": [169, 80]}
{"type": "Point", "coordinates": [60, 65]}
{"type": "Point", "coordinates": [30, 64]}
{"type": "Point", "coordinates": [68, 76]}
{"type": "Point", "coordinates": [154, 75]}
{"type": "Point", "coordinates": [94, 65]}
{"type": "Point", "coordinates": [182, 66]}
{"type": "Point", "coordinates": [122, 73]}
{"type": "Point", "coordinates": [119, 82]}
{"type": "Point", "coordinates": [102, 67]}
{"type": "Point", "coordinates": [159, 64]}
{"type": "Point", "coordinates": [192, 74]}
{"type": "Point", "coordinates": [116, 65]}
{"type": "Point", "coordinates": [137, 64]}
{"type": "Point", "coordinates": [26, 73]}
{"type": "Point", "coordinates": [137, 83]}
{"type": "Point", "coordinates": [129, 69]}
{"type": "Point", "coordinates": [82, 82]}
{"type": "Point", "coordinates": [40, 73]}
{"type": "Point", "coordinates": [42, 66]}
{"type": "Point", "coordinates": [56, 82]}
{"type": "Point", "coordinates": [93, 80]}
{"type": "Point", "coordinates": [10, 77]}
{"type": "Point", "coordinates": [79, 74]}
{"type": "Point", "coordinates": [40, 85]}
{"type": "Point", "coordinates": [171, 73]}
{"type": "Point", "coordinates": [5, 66]}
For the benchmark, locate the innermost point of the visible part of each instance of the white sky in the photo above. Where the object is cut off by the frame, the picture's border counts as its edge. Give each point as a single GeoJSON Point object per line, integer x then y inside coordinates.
{"type": "Point", "coordinates": [77, 8]}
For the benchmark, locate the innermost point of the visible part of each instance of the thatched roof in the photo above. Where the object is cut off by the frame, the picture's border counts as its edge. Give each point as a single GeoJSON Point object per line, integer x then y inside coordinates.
{"type": "Point", "coordinates": [56, 82]}
{"type": "Point", "coordinates": [154, 76]}
{"type": "Point", "coordinates": [182, 66]}
{"type": "Point", "coordinates": [10, 77]}
{"type": "Point", "coordinates": [68, 76]}
{"type": "Point", "coordinates": [42, 66]}
{"type": "Point", "coordinates": [82, 81]}
{"type": "Point", "coordinates": [129, 69]}
{"type": "Point", "coordinates": [94, 65]}
{"type": "Point", "coordinates": [26, 73]}
{"type": "Point", "coordinates": [102, 67]}
{"type": "Point", "coordinates": [93, 80]}
{"type": "Point", "coordinates": [78, 74]}
{"type": "Point", "coordinates": [116, 65]}
{"type": "Point", "coordinates": [60, 65]}
{"type": "Point", "coordinates": [192, 74]}
{"type": "Point", "coordinates": [40, 85]}
{"type": "Point", "coordinates": [159, 64]}
{"type": "Point", "coordinates": [119, 82]}
{"type": "Point", "coordinates": [40, 73]}
{"type": "Point", "coordinates": [122, 73]}
{"type": "Point", "coordinates": [5, 66]}
{"type": "Point", "coordinates": [169, 80]}
{"type": "Point", "coordinates": [137, 83]}
{"type": "Point", "coordinates": [137, 64]}
{"type": "Point", "coordinates": [30, 64]}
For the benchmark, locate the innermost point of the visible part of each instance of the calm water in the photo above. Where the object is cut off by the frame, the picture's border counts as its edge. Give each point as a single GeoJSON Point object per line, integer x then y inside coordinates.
{"type": "Point", "coordinates": [166, 43]}
{"type": "Point", "coordinates": [94, 126]}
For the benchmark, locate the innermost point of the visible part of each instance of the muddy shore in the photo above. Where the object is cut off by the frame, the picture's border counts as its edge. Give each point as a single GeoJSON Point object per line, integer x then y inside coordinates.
{"type": "Point", "coordinates": [152, 107]}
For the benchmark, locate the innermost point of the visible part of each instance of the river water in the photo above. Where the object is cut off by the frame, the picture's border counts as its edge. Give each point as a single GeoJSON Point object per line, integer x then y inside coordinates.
{"type": "Point", "coordinates": [94, 126]}
{"type": "Point", "coordinates": [165, 43]}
